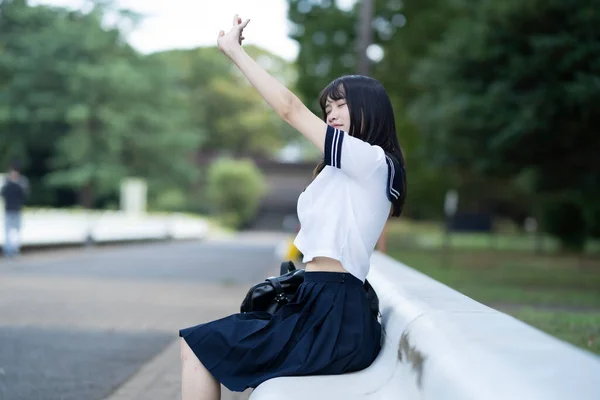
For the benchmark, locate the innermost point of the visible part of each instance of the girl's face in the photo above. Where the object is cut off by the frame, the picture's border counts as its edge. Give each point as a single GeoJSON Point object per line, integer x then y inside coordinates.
{"type": "Point", "coordinates": [338, 114]}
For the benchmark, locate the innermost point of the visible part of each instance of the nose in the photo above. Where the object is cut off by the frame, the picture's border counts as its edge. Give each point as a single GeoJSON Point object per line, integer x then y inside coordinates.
{"type": "Point", "coordinates": [332, 117]}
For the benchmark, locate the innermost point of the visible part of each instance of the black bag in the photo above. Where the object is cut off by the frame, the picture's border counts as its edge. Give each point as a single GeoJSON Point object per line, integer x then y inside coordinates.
{"type": "Point", "coordinates": [275, 292]}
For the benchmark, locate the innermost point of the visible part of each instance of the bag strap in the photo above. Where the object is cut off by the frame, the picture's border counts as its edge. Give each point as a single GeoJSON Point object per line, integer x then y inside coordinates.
{"type": "Point", "coordinates": [276, 285]}
{"type": "Point", "coordinates": [286, 266]}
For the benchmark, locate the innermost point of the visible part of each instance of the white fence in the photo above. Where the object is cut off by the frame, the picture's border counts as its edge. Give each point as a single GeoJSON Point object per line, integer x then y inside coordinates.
{"type": "Point", "coordinates": [45, 227]}
{"type": "Point", "coordinates": [440, 344]}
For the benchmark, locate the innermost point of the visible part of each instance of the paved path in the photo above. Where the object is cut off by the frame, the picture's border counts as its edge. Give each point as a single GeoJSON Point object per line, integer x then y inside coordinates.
{"type": "Point", "coordinates": [102, 323]}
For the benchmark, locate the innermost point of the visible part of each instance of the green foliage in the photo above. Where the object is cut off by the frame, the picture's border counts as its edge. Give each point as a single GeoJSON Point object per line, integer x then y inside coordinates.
{"type": "Point", "coordinates": [235, 117]}
{"type": "Point", "coordinates": [79, 101]}
{"type": "Point", "coordinates": [327, 40]}
{"type": "Point", "coordinates": [234, 189]}
{"type": "Point", "coordinates": [327, 36]}
{"type": "Point", "coordinates": [170, 199]}
{"type": "Point", "coordinates": [514, 86]}
{"type": "Point", "coordinates": [82, 110]}
{"type": "Point", "coordinates": [565, 219]}
{"type": "Point", "coordinates": [428, 187]}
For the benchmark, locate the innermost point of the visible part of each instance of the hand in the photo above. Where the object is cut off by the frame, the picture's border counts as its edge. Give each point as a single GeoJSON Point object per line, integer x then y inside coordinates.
{"type": "Point", "coordinates": [229, 41]}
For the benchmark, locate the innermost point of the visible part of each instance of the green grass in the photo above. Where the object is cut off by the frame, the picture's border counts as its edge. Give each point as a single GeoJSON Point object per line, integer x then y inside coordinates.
{"type": "Point", "coordinates": [502, 277]}
{"type": "Point", "coordinates": [557, 293]}
{"type": "Point", "coordinates": [430, 235]}
{"type": "Point", "coordinates": [580, 329]}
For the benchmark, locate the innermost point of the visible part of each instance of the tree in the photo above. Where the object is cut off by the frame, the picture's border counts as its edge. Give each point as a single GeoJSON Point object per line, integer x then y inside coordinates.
{"type": "Point", "coordinates": [220, 100]}
{"type": "Point", "coordinates": [513, 89]}
{"type": "Point", "coordinates": [30, 118]}
{"type": "Point", "coordinates": [327, 40]}
{"type": "Point", "coordinates": [81, 100]}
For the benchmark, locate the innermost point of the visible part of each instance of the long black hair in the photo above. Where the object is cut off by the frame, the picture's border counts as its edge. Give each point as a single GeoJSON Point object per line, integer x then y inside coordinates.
{"type": "Point", "coordinates": [371, 120]}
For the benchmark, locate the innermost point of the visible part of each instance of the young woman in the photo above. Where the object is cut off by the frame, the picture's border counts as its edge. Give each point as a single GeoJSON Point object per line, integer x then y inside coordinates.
{"type": "Point", "coordinates": [328, 328]}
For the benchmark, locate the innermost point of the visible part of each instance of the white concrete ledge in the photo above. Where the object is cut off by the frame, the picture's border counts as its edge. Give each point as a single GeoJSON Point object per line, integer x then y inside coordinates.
{"type": "Point", "coordinates": [47, 227]}
{"type": "Point", "coordinates": [440, 344]}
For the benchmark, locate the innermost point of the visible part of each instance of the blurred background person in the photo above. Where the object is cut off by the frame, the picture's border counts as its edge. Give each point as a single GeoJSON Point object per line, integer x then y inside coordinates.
{"type": "Point", "coordinates": [15, 191]}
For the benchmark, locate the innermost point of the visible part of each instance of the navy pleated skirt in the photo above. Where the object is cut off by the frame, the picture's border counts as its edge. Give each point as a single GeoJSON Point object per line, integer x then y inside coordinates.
{"type": "Point", "coordinates": [327, 328]}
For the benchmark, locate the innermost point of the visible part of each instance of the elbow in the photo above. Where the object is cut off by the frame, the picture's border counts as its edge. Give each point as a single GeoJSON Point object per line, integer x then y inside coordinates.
{"type": "Point", "coordinates": [289, 108]}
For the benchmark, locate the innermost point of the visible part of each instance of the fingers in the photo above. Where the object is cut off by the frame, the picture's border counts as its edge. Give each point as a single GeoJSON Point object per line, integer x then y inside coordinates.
{"type": "Point", "coordinates": [237, 21]}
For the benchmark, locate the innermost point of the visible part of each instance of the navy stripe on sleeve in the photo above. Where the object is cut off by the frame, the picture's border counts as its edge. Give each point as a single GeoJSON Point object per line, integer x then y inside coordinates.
{"type": "Point", "coordinates": [333, 147]}
{"type": "Point", "coordinates": [396, 185]}
{"type": "Point", "coordinates": [393, 193]}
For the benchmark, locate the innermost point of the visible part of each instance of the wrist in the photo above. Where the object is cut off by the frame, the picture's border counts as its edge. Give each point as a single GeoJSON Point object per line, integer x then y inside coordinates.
{"type": "Point", "coordinates": [235, 53]}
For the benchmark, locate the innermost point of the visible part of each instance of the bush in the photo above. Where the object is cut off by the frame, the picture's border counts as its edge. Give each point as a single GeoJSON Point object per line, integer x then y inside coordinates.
{"type": "Point", "coordinates": [234, 189]}
{"type": "Point", "coordinates": [565, 220]}
{"type": "Point", "coordinates": [170, 199]}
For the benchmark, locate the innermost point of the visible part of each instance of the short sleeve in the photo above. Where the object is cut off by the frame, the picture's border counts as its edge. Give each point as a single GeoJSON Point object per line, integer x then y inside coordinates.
{"type": "Point", "coordinates": [353, 156]}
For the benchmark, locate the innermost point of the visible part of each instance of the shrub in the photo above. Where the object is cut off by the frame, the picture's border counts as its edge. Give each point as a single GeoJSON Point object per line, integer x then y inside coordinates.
{"type": "Point", "coordinates": [565, 219]}
{"type": "Point", "coordinates": [234, 189]}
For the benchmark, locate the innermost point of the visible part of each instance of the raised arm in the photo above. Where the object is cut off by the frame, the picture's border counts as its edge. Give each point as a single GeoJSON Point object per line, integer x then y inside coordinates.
{"type": "Point", "coordinates": [285, 103]}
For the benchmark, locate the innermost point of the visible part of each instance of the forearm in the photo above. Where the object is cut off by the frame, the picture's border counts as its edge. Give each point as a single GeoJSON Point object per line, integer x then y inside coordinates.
{"type": "Point", "coordinates": [280, 98]}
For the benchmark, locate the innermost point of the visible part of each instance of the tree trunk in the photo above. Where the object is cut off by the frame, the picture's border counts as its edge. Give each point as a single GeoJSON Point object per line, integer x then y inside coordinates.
{"type": "Point", "coordinates": [365, 37]}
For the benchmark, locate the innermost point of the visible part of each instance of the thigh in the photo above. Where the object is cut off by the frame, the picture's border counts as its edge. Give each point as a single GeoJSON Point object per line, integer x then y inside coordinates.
{"type": "Point", "coordinates": [186, 352]}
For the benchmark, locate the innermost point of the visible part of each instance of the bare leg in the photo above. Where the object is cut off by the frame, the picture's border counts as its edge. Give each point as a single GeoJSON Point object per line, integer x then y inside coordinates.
{"type": "Point", "coordinates": [196, 382]}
